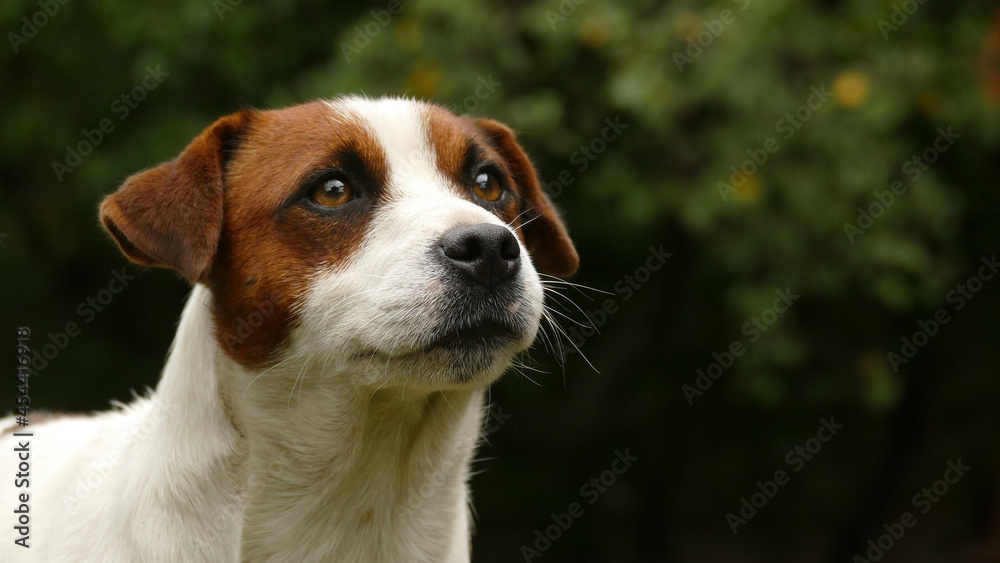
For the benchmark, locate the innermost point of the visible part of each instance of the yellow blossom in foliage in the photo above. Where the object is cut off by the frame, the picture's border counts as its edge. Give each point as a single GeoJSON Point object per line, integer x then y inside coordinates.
{"type": "Point", "coordinates": [424, 80]}
{"type": "Point", "coordinates": [594, 32]}
{"type": "Point", "coordinates": [687, 24]}
{"type": "Point", "coordinates": [851, 88]}
{"type": "Point", "coordinates": [749, 191]}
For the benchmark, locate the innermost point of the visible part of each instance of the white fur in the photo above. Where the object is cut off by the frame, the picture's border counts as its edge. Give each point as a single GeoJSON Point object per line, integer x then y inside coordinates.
{"type": "Point", "coordinates": [352, 448]}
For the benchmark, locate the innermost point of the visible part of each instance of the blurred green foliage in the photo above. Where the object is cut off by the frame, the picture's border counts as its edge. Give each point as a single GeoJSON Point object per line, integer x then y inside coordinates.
{"type": "Point", "coordinates": [704, 88]}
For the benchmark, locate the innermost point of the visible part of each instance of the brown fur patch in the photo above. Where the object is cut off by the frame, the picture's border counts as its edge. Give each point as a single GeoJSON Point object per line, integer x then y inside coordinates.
{"type": "Point", "coordinates": [269, 248]}
{"type": "Point", "coordinates": [170, 215]}
{"type": "Point", "coordinates": [452, 138]}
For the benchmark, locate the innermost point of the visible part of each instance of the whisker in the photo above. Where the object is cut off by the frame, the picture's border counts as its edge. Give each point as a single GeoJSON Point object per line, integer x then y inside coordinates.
{"type": "Point", "coordinates": [522, 374]}
{"type": "Point", "coordinates": [560, 351]}
{"type": "Point", "coordinates": [578, 286]}
{"type": "Point", "coordinates": [573, 344]}
{"type": "Point", "coordinates": [528, 222]}
{"type": "Point", "coordinates": [574, 321]}
{"type": "Point", "coordinates": [380, 386]}
{"type": "Point", "coordinates": [512, 221]}
{"type": "Point", "coordinates": [557, 293]}
{"type": "Point", "coordinates": [288, 404]}
{"type": "Point", "coordinates": [263, 373]}
{"type": "Point", "coordinates": [519, 365]}
{"type": "Point", "coordinates": [557, 347]}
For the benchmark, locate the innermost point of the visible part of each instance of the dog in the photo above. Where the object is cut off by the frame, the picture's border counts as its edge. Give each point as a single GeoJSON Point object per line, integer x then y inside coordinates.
{"type": "Point", "coordinates": [362, 270]}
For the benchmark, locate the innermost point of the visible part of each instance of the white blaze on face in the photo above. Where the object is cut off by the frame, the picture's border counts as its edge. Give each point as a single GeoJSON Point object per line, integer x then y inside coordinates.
{"type": "Point", "coordinates": [400, 127]}
{"type": "Point", "coordinates": [380, 307]}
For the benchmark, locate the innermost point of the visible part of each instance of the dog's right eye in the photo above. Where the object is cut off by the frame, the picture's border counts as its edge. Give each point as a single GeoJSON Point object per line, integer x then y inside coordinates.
{"type": "Point", "coordinates": [331, 192]}
{"type": "Point", "coordinates": [488, 187]}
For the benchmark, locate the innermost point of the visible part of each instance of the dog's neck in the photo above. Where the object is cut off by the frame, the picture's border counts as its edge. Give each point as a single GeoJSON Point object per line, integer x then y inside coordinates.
{"type": "Point", "coordinates": [326, 467]}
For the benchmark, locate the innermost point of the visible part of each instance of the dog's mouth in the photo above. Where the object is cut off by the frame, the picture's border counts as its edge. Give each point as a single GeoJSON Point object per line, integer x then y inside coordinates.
{"type": "Point", "coordinates": [460, 341]}
{"type": "Point", "coordinates": [483, 335]}
{"type": "Point", "coordinates": [467, 340]}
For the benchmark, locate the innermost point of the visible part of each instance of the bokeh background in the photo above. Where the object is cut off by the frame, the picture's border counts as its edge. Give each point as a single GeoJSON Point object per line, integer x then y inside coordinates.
{"type": "Point", "coordinates": [843, 98]}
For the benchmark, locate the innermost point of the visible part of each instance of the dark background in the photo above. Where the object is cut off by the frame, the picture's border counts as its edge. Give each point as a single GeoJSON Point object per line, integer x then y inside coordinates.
{"type": "Point", "coordinates": [880, 95]}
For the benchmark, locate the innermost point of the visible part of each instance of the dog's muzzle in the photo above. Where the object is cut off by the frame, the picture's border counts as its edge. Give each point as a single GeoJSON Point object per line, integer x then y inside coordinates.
{"type": "Point", "coordinates": [483, 311]}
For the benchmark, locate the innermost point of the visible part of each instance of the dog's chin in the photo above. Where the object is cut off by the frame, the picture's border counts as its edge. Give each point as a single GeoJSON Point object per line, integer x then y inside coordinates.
{"type": "Point", "coordinates": [475, 356]}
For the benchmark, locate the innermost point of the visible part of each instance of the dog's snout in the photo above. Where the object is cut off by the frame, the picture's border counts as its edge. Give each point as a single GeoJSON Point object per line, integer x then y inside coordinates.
{"type": "Point", "coordinates": [486, 253]}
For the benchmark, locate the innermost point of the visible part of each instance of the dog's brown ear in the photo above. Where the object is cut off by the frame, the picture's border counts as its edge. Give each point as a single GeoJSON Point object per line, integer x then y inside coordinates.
{"type": "Point", "coordinates": [171, 215]}
{"type": "Point", "coordinates": [544, 232]}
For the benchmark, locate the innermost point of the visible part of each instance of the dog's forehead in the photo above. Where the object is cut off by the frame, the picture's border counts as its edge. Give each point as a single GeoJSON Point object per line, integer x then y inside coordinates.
{"type": "Point", "coordinates": [401, 128]}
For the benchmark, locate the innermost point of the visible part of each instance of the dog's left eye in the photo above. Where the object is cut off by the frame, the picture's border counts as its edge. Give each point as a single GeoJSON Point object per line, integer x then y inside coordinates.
{"type": "Point", "coordinates": [487, 187]}
{"type": "Point", "coordinates": [332, 192]}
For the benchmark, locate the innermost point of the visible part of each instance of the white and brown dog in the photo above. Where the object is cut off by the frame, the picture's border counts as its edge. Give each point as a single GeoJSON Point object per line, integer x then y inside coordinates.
{"type": "Point", "coordinates": [361, 273]}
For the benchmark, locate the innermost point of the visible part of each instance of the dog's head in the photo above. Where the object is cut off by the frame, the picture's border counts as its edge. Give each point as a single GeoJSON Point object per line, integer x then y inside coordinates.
{"type": "Point", "coordinates": [388, 239]}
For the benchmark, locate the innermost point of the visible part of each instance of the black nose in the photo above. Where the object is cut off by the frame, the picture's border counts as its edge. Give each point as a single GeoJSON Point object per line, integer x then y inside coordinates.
{"type": "Point", "coordinates": [485, 253]}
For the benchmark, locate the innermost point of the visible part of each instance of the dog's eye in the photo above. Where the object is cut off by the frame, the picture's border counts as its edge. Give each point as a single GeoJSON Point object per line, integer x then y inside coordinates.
{"type": "Point", "coordinates": [332, 192]}
{"type": "Point", "coordinates": [487, 187]}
